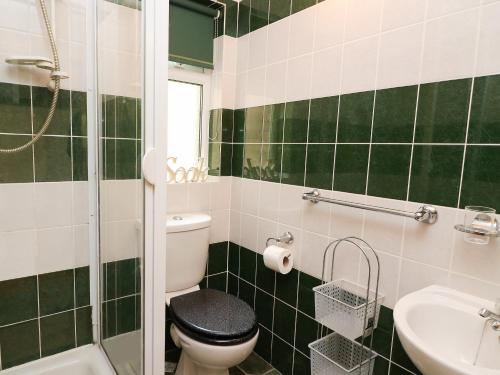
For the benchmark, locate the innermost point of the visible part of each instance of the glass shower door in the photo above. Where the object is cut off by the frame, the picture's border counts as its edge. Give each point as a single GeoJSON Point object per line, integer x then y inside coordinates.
{"type": "Point", "coordinates": [121, 186]}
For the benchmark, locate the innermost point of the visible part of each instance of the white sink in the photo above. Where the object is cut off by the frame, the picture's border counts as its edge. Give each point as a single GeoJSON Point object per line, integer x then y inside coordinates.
{"type": "Point", "coordinates": [443, 334]}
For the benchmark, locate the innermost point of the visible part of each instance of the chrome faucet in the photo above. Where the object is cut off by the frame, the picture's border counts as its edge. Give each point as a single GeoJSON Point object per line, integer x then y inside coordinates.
{"type": "Point", "coordinates": [491, 317]}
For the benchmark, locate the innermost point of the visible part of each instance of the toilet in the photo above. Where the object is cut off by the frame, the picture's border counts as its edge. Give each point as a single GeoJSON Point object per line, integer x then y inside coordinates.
{"type": "Point", "coordinates": [215, 330]}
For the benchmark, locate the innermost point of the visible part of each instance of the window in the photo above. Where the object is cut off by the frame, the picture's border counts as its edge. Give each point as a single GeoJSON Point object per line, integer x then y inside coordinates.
{"type": "Point", "coordinates": [188, 116]}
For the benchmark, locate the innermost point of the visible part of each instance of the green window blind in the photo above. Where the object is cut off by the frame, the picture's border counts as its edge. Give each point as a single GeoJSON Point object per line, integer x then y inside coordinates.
{"type": "Point", "coordinates": [191, 33]}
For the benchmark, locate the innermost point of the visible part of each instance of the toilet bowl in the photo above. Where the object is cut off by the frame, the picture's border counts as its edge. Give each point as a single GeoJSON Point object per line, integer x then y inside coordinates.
{"type": "Point", "coordinates": [215, 330]}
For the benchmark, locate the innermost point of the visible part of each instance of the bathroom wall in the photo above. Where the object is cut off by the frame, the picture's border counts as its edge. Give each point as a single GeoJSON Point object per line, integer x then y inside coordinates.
{"type": "Point", "coordinates": [390, 103]}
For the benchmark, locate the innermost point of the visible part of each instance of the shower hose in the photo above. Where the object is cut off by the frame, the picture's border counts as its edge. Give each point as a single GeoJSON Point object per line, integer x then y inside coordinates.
{"type": "Point", "coordinates": [55, 77]}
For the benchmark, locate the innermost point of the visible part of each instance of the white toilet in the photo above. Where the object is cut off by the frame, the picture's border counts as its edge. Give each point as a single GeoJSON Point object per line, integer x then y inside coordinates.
{"type": "Point", "coordinates": [215, 330]}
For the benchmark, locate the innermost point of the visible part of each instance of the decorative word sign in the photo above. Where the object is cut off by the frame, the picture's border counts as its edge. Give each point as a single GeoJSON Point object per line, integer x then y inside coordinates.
{"type": "Point", "coordinates": [180, 174]}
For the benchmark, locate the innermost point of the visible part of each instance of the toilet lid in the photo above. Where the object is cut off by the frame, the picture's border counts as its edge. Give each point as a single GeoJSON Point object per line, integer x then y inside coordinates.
{"type": "Point", "coordinates": [213, 317]}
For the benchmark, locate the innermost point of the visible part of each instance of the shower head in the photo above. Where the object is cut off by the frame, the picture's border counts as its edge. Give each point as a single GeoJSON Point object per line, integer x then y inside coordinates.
{"type": "Point", "coordinates": [38, 61]}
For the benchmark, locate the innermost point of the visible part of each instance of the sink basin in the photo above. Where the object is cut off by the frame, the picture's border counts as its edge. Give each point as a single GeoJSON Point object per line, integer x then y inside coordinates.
{"type": "Point", "coordinates": [443, 334]}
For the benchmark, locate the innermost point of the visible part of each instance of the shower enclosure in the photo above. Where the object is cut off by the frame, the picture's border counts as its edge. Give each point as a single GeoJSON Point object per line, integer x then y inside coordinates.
{"type": "Point", "coordinates": [79, 274]}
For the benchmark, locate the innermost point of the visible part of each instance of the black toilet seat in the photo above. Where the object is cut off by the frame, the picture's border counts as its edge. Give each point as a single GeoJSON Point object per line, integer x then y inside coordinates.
{"type": "Point", "coordinates": [214, 317]}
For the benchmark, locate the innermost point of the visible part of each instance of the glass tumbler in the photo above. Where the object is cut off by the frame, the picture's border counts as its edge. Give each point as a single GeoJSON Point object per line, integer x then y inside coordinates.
{"type": "Point", "coordinates": [479, 220]}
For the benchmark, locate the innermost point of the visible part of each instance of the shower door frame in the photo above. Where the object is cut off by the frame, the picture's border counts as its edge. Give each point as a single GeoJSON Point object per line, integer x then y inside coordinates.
{"type": "Point", "coordinates": [154, 30]}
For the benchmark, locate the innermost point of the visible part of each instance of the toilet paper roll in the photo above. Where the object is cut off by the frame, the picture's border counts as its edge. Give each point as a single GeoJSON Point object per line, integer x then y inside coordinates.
{"type": "Point", "coordinates": [278, 259]}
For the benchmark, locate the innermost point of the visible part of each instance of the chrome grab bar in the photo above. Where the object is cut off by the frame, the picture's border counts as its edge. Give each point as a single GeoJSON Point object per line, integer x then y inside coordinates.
{"type": "Point", "coordinates": [425, 214]}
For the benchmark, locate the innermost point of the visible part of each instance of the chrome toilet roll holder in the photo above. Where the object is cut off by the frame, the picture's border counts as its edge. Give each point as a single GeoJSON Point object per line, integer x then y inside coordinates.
{"type": "Point", "coordinates": [286, 238]}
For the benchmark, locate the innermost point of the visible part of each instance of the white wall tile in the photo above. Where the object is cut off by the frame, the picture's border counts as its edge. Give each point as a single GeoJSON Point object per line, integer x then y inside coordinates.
{"type": "Point", "coordinates": [121, 240]}
{"type": "Point", "coordinates": [177, 198]}
{"type": "Point", "coordinates": [330, 23]}
{"type": "Point", "coordinates": [53, 203]}
{"type": "Point", "coordinates": [360, 65]}
{"type": "Point", "coordinates": [316, 216]}
{"type": "Point", "coordinates": [18, 254]}
{"type": "Point", "coordinates": [266, 229]}
{"type": "Point", "coordinates": [399, 13]}
{"type": "Point", "coordinates": [400, 57]}
{"type": "Point", "coordinates": [257, 52]}
{"type": "Point", "coordinates": [326, 72]}
{"type": "Point", "coordinates": [249, 233]}
{"type": "Point", "coordinates": [81, 243]}
{"type": "Point", "coordinates": [299, 78]}
{"type": "Point", "coordinates": [219, 228]}
{"type": "Point", "coordinates": [473, 286]}
{"type": "Point", "coordinates": [415, 276]}
{"type": "Point", "coordinates": [291, 205]}
{"type": "Point", "coordinates": [269, 201]}
{"type": "Point", "coordinates": [80, 202]}
{"type": "Point", "coordinates": [276, 83]}
{"type": "Point", "coordinates": [243, 53]}
{"type": "Point", "coordinates": [198, 197]}
{"type": "Point", "coordinates": [241, 90]}
{"type": "Point", "coordinates": [220, 193]}
{"type": "Point", "coordinates": [346, 221]}
{"type": "Point", "coordinates": [17, 205]}
{"type": "Point", "coordinates": [250, 196]}
{"type": "Point", "coordinates": [363, 18]}
{"type": "Point", "coordinates": [56, 250]}
{"type": "Point", "coordinates": [277, 47]}
{"type": "Point", "coordinates": [256, 87]}
{"type": "Point", "coordinates": [311, 254]}
{"type": "Point", "coordinates": [235, 227]}
{"type": "Point", "coordinates": [450, 47]}
{"type": "Point", "coordinates": [437, 8]}
{"type": "Point", "coordinates": [301, 32]}
{"type": "Point", "coordinates": [488, 58]}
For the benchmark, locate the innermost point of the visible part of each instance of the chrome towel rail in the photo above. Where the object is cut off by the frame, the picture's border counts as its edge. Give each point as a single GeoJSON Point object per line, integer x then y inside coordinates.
{"type": "Point", "coordinates": [425, 214]}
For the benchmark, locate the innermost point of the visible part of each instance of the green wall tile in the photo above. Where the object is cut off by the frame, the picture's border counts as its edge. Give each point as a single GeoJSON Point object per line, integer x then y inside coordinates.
{"type": "Point", "coordinates": [226, 157]}
{"type": "Point", "coordinates": [271, 162]}
{"type": "Point", "coordinates": [138, 311]}
{"type": "Point", "coordinates": [397, 370]}
{"type": "Point", "coordinates": [319, 169]}
{"type": "Point", "coordinates": [264, 343]}
{"type": "Point", "coordinates": [435, 174]}
{"type": "Point", "coordinates": [484, 124]}
{"type": "Point", "coordinates": [138, 159]}
{"type": "Point", "coordinates": [442, 111]}
{"type": "Point", "coordinates": [274, 121]}
{"type": "Point", "coordinates": [110, 281]}
{"type": "Point", "coordinates": [42, 100]}
{"type": "Point", "coordinates": [109, 319]}
{"type": "Point", "coordinates": [109, 159]}
{"type": "Point", "coordinates": [394, 116]}
{"type": "Point", "coordinates": [247, 292]}
{"type": "Point", "coordinates": [125, 277]}
{"type": "Point", "coordinates": [306, 294]}
{"type": "Point", "coordinates": [282, 353]}
{"type": "Point", "coordinates": [481, 179]}
{"type": "Point", "coordinates": [21, 295]}
{"type": "Point", "coordinates": [264, 304]}
{"type": "Point", "coordinates": [217, 257]}
{"type": "Point", "coordinates": [351, 164]}
{"type": "Point", "coordinates": [296, 121]}
{"type": "Point", "coordinates": [381, 366]}
{"type": "Point", "coordinates": [126, 117]}
{"type": "Point", "coordinates": [232, 284]}
{"type": "Point", "coordinates": [298, 5]}
{"type": "Point", "coordinates": [125, 315]}
{"type": "Point", "coordinates": [286, 287]}
{"type": "Point", "coordinates": [234, 259]}
{"type": "Point", "coordinates": [56, 290]}
{"type": "Point", "coordinates": [301, 364]}
{"type": "Point", "coordinates": [17, 167]}
{"type": "Point", "coordinates": [231, 17]}
{"type": "Point", "coordinates": [82, 286]}
{"type": "Point", "coordinates": [79, 113]}
{"type": "Point", "coordinates": [214, 159]}
{"type": "Point", "coordinates": [293, 164]}
{"type": "Point", "coordinates": [109, 116]}
{"type": "Point", "coordinates": [305, 332]}
{"type": "Point", "coordinates": [83, 326]}
{"type": "Point", "coordinates": [244, 18]}
{"type": "Point", "coordinates": [15, 107]}
{"type": "Point", "coordinates": [259, 14]}
{"type": "Point", "coordinates": [248, 259]}
{"type": "Point", "coordinates": [80, 158]}
{"type": "Point", "coordinates": [284, 321]}
{"type": "Point", "coordinates": [254, 118]}
{"type": "Point", "coordinates": [237, 160]}
{"type": "Point", "coordinates": [389, 171]}
{"type": "Point", "coordinates": [217, 282]}
{"type": "Point", "coordinates": [125, 159]}
{"type": "Point", "coordinates": [215, 126]}
{"type": "Point", "coordinates": [239, 126]}
{"type": "Point", "coordinates": [399, 355]}
{"type": "Point", "coordinates": [251, 164]}
{"type": "Point", "coordinates": [355, 117]}
{"type": "Point", "coordinates": [53, 159]}
{"type": "Point", "coordinates": [279, 9]}
{"type": "Point", "coordinates": [265, 278]}
{"type": "Point", "coordinates": [19, 343]}
{"type": "Point", "coordinates": [323, 120]}
{"type": "Point", "coordinates": [57, 333]}
{"type": "Point", "coordinates": [227, 125]}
